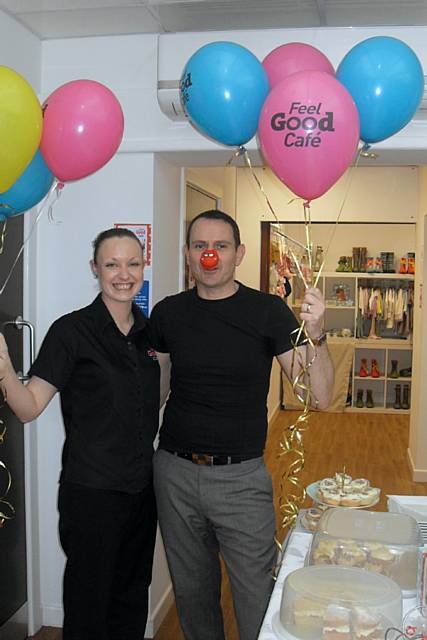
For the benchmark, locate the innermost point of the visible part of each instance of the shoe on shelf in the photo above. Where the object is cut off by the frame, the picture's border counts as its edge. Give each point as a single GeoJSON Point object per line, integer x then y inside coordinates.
{"type": "Point", "coordinates": [405, 400]}
{"type": "Point", "coordinates": [394, 373]}
{"type": "Point", "coordinates": [405, 373]}
{"type": "Point", "coordinates": [359, 399]}
{"type": "Point", "coordinates": [369, 399]}
{"type": "Point", "coordinates": [397, 403]}
{"type": "Point", "coordinates": [375, 372]}
{"type": "Point", "coordinates": [342, 263]}
{"type": "Point", "coordinates": [370, 265]}
{"type": "Point", "coordinates": [363, 371]}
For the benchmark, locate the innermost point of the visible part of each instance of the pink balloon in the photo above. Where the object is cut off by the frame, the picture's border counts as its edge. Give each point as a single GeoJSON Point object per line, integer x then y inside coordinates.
{"type": "Point", "coordinates": [309, 132]}
{"type": "Point", "coordinates": [82, 129]}
{"type": "Point", "coordinates": [293, 57]}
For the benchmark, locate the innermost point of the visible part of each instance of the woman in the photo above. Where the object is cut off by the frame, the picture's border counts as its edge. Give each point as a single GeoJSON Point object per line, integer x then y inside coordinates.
{"type": "Point", "coordinates": [100, 360]}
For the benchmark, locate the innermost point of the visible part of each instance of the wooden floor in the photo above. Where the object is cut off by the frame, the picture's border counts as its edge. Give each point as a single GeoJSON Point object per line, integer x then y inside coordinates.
{"type": "Point", "coordinates": [367, 445]}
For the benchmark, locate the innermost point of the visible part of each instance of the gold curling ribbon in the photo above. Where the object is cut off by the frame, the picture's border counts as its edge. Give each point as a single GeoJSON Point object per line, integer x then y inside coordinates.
{"type": "Point", "coordinates": [291, 440]}
{"type": "Point", "coordinates": [3, 236]}
{"type": "Point", "coordinates": [6, 516]}
{"type": "Point", "coordinates": [55, 186]}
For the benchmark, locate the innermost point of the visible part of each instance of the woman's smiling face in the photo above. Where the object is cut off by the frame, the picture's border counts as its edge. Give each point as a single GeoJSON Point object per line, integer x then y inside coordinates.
{"type": "Point", "coordinates": [120, 269]}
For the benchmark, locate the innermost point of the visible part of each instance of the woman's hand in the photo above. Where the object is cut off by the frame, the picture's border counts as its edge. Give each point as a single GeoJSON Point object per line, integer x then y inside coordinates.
{"type": "Point", "coordinates": [5, 363]}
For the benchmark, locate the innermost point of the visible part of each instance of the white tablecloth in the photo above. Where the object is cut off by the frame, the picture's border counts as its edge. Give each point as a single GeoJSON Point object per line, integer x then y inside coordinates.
{"type": "Point", "coordinates": [297, 546]}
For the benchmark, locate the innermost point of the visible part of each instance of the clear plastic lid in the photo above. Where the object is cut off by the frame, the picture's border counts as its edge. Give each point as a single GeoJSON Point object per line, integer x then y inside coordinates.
{"type": "Point", "coordinates": [347, 586]}
{"type": "Point", "coordinates": [310, 593]}
{"type": "Point", "coordinates": [375, 526]}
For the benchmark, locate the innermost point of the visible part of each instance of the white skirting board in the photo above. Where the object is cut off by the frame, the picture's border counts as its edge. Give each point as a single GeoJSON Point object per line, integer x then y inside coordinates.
{"type": "Point", "coordinates": [156, 618]}
{"type": "Point", "coordinates": [418, 475]}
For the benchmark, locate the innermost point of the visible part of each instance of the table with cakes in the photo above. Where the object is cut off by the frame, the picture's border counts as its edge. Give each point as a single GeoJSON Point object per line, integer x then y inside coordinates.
{"type": "Point", "coordinates": [347, 572]}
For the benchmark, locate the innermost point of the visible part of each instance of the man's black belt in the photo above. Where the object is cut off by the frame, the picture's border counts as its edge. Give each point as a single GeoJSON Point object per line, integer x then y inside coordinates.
{"type": "Point", "coordinates": [210, 460]}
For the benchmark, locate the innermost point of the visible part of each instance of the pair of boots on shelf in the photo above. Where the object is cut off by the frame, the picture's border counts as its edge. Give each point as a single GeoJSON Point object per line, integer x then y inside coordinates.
{"type": "Point", "coordinates": [401, 402]}
{"type": "Point", "coordinates": [369, 399]}
{"type": "Point", "coordinates": [403, 373]}
{"type": "Point", "coordinates": [407, 264]}
{"type": "Point", "coordinates": [364, 371]}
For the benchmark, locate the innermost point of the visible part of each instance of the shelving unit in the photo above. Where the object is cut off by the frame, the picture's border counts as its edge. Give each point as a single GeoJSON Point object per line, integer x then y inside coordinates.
{"type": "Point", "coordinates": [343, 315]}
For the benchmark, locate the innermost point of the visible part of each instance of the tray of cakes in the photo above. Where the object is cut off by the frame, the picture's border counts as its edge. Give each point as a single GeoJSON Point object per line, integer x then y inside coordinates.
{"type": "Point", "coordinates": [331, 602]}
{"type": "Point", "coordinates": [380, 542]}
{"type": "Point", "coordinates": [343, 491]}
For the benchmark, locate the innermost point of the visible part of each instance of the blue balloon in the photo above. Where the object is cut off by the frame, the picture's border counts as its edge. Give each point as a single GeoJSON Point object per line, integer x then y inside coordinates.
{"type": "Point", "coordinates": [31, 186]}
{"type": "Point", "coordinates": [222, 89]}
{"type": "Point", "coordinates": [386, 80]}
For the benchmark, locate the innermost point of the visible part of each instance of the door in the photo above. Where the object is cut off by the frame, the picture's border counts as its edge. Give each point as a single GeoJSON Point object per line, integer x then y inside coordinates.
{"type": "Point", "coordinates": [197, 200]}
{"type": "Point", "coordinates": [13, 580]}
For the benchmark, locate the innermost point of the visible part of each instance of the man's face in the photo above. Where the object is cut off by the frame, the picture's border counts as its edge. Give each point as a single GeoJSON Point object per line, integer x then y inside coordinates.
{"type": "Point", "coordinates": [213, 234]}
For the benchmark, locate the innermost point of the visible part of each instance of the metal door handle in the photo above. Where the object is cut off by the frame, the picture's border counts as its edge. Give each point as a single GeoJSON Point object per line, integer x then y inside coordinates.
{"type": "Point", "coordinates": [19, 323]}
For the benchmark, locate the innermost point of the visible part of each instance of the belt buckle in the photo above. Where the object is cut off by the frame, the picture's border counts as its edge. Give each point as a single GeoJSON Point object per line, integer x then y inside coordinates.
{"type": "Point", "coordinates": [202, 458]}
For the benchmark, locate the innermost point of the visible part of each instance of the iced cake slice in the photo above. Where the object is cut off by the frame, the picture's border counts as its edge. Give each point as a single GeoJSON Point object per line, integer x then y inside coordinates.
{"type": "Point", "coordinates": [308, 612]}
{"type": "Point", "coordinates": [336, 623]}
{"type": "Point", "coordinates": [367, 625]}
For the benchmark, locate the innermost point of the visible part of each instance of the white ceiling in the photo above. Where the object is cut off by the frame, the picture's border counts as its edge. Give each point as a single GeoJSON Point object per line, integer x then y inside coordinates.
{"type": "Point", "coordinates": [75, 18]}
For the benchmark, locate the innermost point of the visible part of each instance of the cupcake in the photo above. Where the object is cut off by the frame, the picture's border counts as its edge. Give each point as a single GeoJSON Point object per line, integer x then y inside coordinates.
{"type": "Point", "coordinates": [331, 497]}
{"type": "Point", "coordinates": [360, 484]}
{"type": "Point", "coordinates": [351, 555]}
{"type": "Point", "coordinates": [369, 496]}
{"type": "Point", "coordinates": [342, 479]}
{"type": "Point", "coordinates": [311, 518]}
{"type": "Point", "coordinates": [325, 552]}
{"type": "Point", "coordinates": [327, 484]}
{"type": "Point", "coordinates": [351, 500]}
{"type": "Point", "coordinates": [380, 559]}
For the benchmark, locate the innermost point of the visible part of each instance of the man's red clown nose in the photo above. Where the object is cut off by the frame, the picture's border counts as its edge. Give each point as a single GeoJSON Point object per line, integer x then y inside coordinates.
{"type": "Point", "coordinates": [209, 259]}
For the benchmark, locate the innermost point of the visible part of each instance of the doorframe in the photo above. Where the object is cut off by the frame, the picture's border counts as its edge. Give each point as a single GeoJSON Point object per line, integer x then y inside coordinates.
{"type": "Point", "coordinates": [34, 609]}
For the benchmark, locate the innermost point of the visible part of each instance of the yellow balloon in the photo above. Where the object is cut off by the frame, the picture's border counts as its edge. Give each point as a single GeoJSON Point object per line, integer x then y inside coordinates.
{"type": "Point", "coordinates": [21, 123]}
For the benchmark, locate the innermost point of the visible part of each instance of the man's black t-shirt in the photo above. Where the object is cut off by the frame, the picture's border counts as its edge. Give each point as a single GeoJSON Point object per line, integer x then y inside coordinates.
{"type": "Point", "coordinates": [109, 387]}
{"type": "Point", "coordinates": [221, 353]}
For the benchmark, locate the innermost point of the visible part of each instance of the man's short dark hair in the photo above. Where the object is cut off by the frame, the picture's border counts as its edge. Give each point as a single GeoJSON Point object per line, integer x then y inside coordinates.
{"type": "Point", "coordinates": [216, 214]}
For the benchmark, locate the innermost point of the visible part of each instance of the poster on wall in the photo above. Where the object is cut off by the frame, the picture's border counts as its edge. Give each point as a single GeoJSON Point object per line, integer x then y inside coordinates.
{"type": "Point", "coordinates": [142, 298]}
{"type": "Point", "coordinates": [143, 233]}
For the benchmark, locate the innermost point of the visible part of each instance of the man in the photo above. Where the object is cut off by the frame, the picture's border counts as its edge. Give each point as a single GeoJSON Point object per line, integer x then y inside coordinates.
{"type": "Point", "coordinates": [213, 492]}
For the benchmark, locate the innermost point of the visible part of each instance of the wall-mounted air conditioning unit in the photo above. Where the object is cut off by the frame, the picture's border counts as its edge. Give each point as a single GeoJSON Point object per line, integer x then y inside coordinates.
{"type": "Point", "coordinates": [421, 113]}
{"type": "Point", "coordinates": [169, 100]}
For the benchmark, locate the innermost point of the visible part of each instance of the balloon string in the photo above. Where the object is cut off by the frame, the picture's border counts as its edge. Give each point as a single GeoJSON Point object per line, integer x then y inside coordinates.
{"type": "Point", "coordinates": [33, 226]}
{"type": "Point", "coordinates": [350, 175]}
{"type": "Point", "coordinates": [249, 164]}
{"type": "Point", "coordinates": [59, 187]}
{"type": "Point", "coordinates": [279, 232]}
{"type": "Point", "coordinates": [240, 151]}
{"type": "Point", "coordinates": [307, 227]}
{"type": "Point", "coordinates": [3, 236]}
